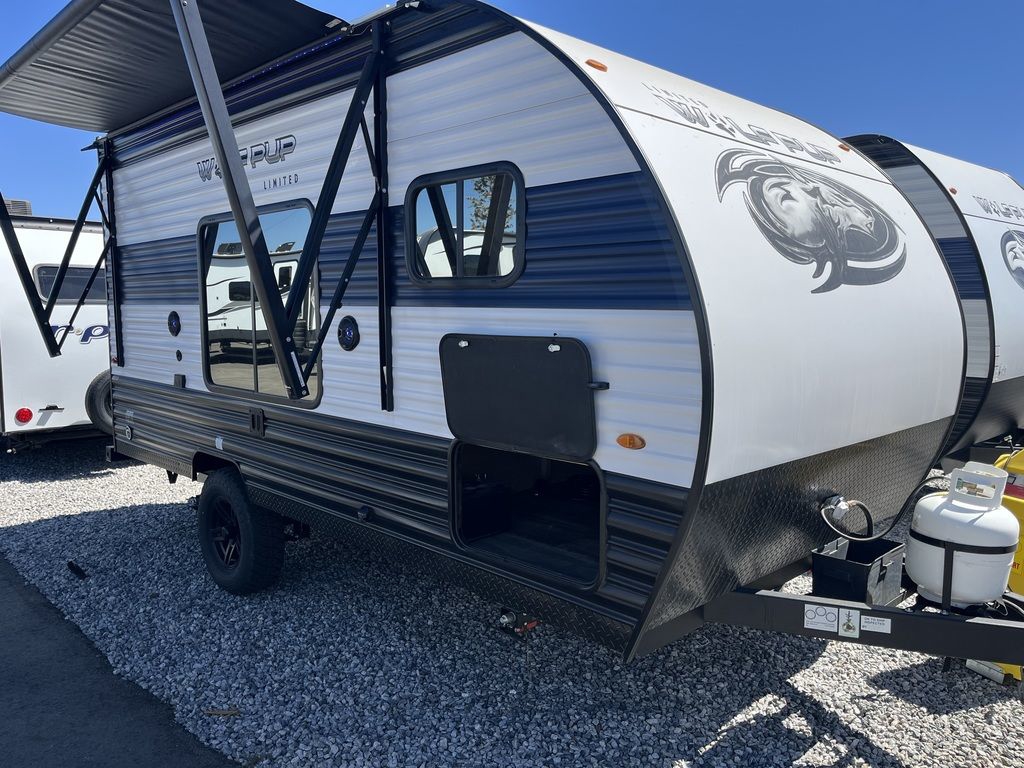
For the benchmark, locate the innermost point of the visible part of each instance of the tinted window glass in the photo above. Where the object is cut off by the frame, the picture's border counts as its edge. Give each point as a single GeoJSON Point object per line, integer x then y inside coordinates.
{"type": "Point", "coordinates": [239, 353]}
{"type": "Point", "coordinates": [75, 281]}
{"type": "Point", "coordinates": [466, 227]}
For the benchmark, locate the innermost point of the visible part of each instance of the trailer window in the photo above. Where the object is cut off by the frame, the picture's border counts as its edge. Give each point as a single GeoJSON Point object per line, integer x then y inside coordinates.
{"type": "Point", "coordinates": [74, 283]}
{"type": "Point", "coordinates": [467, 226]}
{"type": "Point", "coordinates": [238, 350]}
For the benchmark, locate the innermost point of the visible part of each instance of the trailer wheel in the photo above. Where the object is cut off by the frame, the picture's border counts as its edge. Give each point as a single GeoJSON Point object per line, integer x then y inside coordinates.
{"type": "Point", "coordinates": [98, 403]}
{"type": "Point", "coordinates": [242, 544]}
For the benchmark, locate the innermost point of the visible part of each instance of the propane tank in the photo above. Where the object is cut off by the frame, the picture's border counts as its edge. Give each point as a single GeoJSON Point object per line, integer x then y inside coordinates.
{"type": "Point", "coordinates": [983, 533]}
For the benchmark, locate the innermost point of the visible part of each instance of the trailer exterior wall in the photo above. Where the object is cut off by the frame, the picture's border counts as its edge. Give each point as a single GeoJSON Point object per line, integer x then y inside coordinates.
{"type": "Point", "coordinates": [602, 266]}
{"type": "Point", "coordinates": [586, 207]}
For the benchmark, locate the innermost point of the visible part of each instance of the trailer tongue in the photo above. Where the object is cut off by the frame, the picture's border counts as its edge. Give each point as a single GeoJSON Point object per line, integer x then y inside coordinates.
{"type": "Point", "coordinates": [918, 627]}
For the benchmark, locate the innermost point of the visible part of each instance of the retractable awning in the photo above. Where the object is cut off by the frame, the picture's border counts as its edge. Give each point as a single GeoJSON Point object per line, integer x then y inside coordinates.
{"type": "Point", "coordinates": [100, 65]}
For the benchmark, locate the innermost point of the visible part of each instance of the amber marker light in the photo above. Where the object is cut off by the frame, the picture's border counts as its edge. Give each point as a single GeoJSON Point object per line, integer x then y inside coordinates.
{"type": "Point", "coordinates": [599, 66]}
{"type": "Point", "coordinates": [844, 147]}
{"type": "Point", "coordinates": [631, 441]}
{"type": "Point", "coordinates": [953, 190]}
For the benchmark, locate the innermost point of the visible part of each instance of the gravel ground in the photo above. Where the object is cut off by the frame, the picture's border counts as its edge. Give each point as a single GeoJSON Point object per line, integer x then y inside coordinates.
{"type": "Point", "coordinates": [357, 661]}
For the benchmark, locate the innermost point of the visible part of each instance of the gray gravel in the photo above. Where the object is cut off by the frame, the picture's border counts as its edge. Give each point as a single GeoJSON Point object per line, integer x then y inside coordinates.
{"type": "Point", "coordinates": [357, 661]}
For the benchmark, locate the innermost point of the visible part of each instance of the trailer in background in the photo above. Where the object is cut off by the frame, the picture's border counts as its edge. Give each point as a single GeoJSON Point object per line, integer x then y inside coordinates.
{"type": "Point", "coordinates": [42, 397]}
{"type": "Point", "coordinates": [976, 215]}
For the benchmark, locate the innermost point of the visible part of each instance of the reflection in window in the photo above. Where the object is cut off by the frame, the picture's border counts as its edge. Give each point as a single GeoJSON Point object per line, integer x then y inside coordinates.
{"type": "Point", "coordinates": [467, 227]}
{"type": "Point", "coordinates": [239, 353]}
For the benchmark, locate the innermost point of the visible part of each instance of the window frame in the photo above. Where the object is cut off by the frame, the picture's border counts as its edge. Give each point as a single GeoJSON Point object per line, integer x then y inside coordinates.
{"type": "Point", "coordinates": [100, 280]}
{"type": "Point", "coordinates": [454, 176]}
{"type": "Point", "coordinates": [250, 394]}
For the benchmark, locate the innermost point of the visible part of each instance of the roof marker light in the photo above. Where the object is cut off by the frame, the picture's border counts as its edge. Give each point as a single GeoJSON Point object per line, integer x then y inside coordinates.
{"type": "Point", "coordinates": [600, 67]}
{"type": "Point", "coordinates": [23, 415]}
{"type": "Point", "coordinates": [844, 147]}
{"type": "Point", "coordinates": [953, 190]}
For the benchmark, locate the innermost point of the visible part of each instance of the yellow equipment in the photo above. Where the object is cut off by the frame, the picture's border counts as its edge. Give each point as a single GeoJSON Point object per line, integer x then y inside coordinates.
{"type": "Point", "coordinates": [1013, 500]}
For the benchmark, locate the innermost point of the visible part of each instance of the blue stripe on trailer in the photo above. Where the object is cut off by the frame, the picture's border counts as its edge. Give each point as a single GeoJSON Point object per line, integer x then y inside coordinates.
{"type": "Point", "coordinates": [962, 259]}
{"type": "Point", "coordinates": [596, 243]}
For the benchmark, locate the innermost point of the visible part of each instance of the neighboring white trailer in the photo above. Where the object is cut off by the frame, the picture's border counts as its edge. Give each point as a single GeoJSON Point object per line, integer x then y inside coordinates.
{"type": "Point", "coordinates": [688, 322]}
{"type": "Point", "coordinates": [977, 217]}
{"type": "Point", "coordinates": [43, 397]}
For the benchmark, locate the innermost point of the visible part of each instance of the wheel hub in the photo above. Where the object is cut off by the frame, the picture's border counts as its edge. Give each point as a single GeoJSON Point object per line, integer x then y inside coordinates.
{"type": "Point", "coordinates": [225, 534]}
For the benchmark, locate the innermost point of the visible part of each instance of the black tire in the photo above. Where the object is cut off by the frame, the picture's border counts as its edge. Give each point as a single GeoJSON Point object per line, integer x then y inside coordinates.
{"type": "Point", "coordinates": [98, 403]}
{"type": "Point", "coordinates": [242, 544]}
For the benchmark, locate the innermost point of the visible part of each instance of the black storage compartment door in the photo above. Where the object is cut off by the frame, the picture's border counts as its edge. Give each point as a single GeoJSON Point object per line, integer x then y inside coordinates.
{"type": "Point", "coordinates": [519, 393]}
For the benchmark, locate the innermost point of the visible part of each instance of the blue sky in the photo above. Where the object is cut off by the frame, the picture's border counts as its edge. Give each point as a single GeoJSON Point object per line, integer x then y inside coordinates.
{"type": "Point", "coordinates": [942, 74]}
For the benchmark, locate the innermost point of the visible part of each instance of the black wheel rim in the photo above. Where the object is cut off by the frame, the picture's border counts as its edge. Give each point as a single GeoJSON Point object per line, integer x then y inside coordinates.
{"type": "Point", "coordinates": [224, 533]}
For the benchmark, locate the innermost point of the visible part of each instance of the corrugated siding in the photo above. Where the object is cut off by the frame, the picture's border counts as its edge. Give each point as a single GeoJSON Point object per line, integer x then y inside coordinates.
{"type": "Point", "coordinates": [341, 465]}
{"type": "Point", "coordinates": [149, 348]}
{"type": "Point", "coordinates": [595, 243]}
{"type": "Point", "coordinates": [325, 68]}
{"type": "Point", "coordinates": [161, 272]}
{"type": "Point", "coordinates": [650, 358]}
{"type": "Point", "coordinates": [601, 242]}
{"type": "Point", "coordinates": [555, 135]}
{"type": "Point", "coordinates": [962, 259]}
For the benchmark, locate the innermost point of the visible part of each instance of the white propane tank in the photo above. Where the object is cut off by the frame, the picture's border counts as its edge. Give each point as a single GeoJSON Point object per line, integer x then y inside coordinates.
{"type": "Point", "coordinates": [970, 515]}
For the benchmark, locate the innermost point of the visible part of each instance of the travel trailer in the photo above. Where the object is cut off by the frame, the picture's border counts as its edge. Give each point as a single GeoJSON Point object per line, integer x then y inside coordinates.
{"type": "Point", "coordinates": [977, 217]}
{"type": "Point", "coordinates": [44, 398]}
{"type": "Point", "coordinates": [595, 340]}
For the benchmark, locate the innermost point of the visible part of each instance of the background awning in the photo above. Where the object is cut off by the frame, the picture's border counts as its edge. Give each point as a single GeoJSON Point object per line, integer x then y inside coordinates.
{"type": "Point", "coordinates": [100, 65]}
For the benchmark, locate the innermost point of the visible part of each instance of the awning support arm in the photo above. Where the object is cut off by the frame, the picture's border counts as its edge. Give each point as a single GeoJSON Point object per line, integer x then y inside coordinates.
{"type": "Point", "coordinates": [99, 206]}
{"type": "Point", "coordinates": [329, 191]}
{"type": "Point", "coordinates": [201, 66]}
{"type": "Point", "coordinates": [113, 256]}
{"type": "Point", "coordinates": [85, 294]}
{"type": "Point", "coordinates": [25, 276]}
{"type": "Point", "coordinates": [494, 234]}
{"type": "Point", "coordinates": [343, 282]}
{"type": "Point", "coordinates": [83, 213]}
{"type": "Point", "coordinates": [444, 227]}
{"type": "Point", "coordinates": [385, 269]}
{"type": "Point", "coordinates": [43, 313]}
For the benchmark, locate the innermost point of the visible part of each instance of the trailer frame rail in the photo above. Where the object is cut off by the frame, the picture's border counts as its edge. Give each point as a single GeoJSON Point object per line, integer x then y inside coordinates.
{"type": "Point", "coordinates": [937, 633]}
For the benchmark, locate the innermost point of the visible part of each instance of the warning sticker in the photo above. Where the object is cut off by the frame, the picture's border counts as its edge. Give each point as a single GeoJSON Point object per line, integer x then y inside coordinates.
{"type": "Point", "coordinates": [849, 623]}
{"type": "Point", "coordinates": [820, 617]}
{"type": "Point", "coordinates": [874, 624]}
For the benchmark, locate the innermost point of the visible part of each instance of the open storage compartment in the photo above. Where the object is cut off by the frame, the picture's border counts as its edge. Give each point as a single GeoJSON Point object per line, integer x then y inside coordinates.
{"type": "Point", "coordinates": [864, 571]}
{"type": "Point", "coordinates": [543, 514]}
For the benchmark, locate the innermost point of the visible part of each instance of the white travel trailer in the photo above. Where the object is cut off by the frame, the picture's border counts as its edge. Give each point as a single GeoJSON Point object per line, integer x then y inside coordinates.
{"type": "Point", "coordinates": [977, 217]}
{"type": "Point", "coordinates": [43, 397]}
{"type": "Point", "coordinates": [670, 325]}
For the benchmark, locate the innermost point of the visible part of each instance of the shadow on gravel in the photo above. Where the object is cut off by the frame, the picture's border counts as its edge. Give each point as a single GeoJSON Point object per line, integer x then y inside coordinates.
{"type": "Point", "coordinates": [66, 460]}
{"type": "Point", "coordinates": [941, 693]}
{"type": "Point", "coordinates": [354, 655]}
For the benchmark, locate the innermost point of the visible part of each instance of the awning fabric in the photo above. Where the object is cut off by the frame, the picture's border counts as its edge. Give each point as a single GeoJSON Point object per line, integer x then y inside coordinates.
{"type": "Point", "coordinates": [100, 65]}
